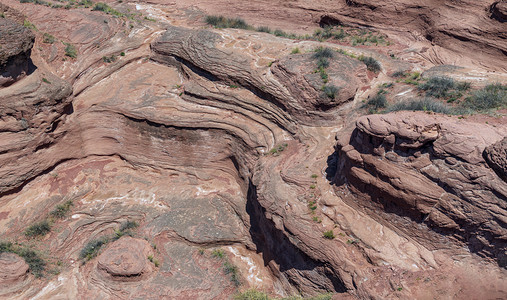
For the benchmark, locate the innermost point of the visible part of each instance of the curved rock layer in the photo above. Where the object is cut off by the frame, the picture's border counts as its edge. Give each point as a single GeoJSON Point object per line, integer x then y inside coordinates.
{"type": "Point", "coordinates": [430, 168]}
{"type": "Point", "coordinates": [443, 32]}
{"type": "Point", "coordinates": [218, 145]}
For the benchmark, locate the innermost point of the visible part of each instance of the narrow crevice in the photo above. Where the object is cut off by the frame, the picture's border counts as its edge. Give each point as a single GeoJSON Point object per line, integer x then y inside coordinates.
{"type": "Point", "coordinates": [298, 268]}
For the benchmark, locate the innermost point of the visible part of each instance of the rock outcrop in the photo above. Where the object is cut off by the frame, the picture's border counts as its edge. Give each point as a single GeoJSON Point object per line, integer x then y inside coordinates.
{"type": "Point", "coordinates": [17, 42]}
{"type": "Point", "coordinates": [13, 274]}
{"type": "Point", "coordinates": [431, 169]}
{"type": "Point", "coordinates": [216, 144]}
{"type": "Point", "coordinates": [126, 259]}
{"type": "Point", "coordinates": [496, 157]}
{"type": "Point", "coordinates": [295, 87]}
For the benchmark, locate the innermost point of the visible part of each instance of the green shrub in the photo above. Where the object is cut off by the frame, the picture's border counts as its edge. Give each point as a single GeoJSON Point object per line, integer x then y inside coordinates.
{"type": "Point", "coordinates": [232, 270]}
{"type": "Point", "coordinates": [399, 74]}
{"type": "Point", "coordinates": [463, 86]}
{"type": "Point", "coordinates": [437, 87]}
{"type": "Point", "coordinates": [122, 53]}
{"type": "Point", "coordinates": [29, 25]}
{"type": "Point", "coordinates": [322, 52]}
{"type": "Point", "coordinates": [48, 38]}
{"type": "Point", "coordinates": [279, 32]}
{"type": "Point", "coordinates": [490, 97]}
{"type": "Point", "coordinates": [38, 229]}
{"type": "Point", "coordinates": [45, 80]}
{"type": "Point", "coordinates": [85, 3]}
{"type": "Point", "coordinates": [340, 35]}
{"type": "Point", "coordinates": [425, 104]}
{"type": "Point", "coordinates": [128, 225]}
{"type": "Point", "coordinates": [295, 51]}
{"type": "Point", "coordinates": [330, 91]}
{"type": "Point", "coordinates": [371, 63]}
{"type": "Point", "coordinates": [218, 253]}
{"type": "Point", "coordinates": [251, 295]}
{"type": "Point", "coordinates": [32, 258]}
{"type": "Point", "coordinates": [328, 235]}
{"type": "Point", "coordinates": [6, 247]}
{"type": "Point", "coordinates": [92, 248]}
{"type": "Point", "coordinates": [70, 50]}
{"type": "Point", "coordinates": [323, 63]}
{"type": "Point", "coordinates": [100, 7]}
{"type": "Point", "coordinates": [61, 210]}
{"type": "Point", "coordinates": [223, 22]}
{"type": "Point", "coordinates": [35, 262]}
{"type": "Point", "coordinates": [264, 29]}
{"type": "Point", "coordinates": [377, 102]}
{"type": "Point", "coordinates": [109, 59]}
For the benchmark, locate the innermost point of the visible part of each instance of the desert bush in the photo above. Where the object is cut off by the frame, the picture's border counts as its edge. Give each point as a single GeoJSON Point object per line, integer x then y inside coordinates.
{"type": "Point", "coordinates": [61, 210]}
{"type": "Point", "coordinates": [32, 258]}
{"type": "Point", "coordinates": [295, 51]}
{"type": "Point", "coordinates": [109, 59]}
{"type": "Point", "coordinates": [463, 86]}
{"type": "Point", "coordinates": [322, 52]}
{"type": "Point", "coordinates": [35, 262]}
{"type": "Point", "coordinates": [70, 50]}
{"type": "Point", "coordinates": [223, 22]}
{"type": "Point", "coordinates": [29, 25]}
{"type": "Point", "coordinates": [328, 235]}
{"type": "Point", "coordinates": [399, 74]}
{"type": "Point", "coordinates": [437, 87]}
{"type": "Point", "coordinates": [371, 63]}
{"type": "Point", "coordinates": [128, 225]}
{"type": "Point", "coordinates": [232, 270]}
{"type": "Point", "coordinates": [279, 32]}
{"type": "Point", "coordinates": [425, 104]}
{"type": "Point", "coordinates": [330, 91]}
{"type": "Point", "coordinates": [48, 38]}
{"type": "Point", "coordinates": [38, 229]}
{"type": "Point", "coordinates": [6, 247]}
{"type": "Point", "coordinates": [92, 248]}
{"type": "Point", "coordinates": [490, 97]}
{"type": "Point", "coordinates": [323, 62]}
{"type": "Point", "coordinates": [251, 295]}
{"type": "Point", "coordinates": [100, 6]}
{"type": "Point", "coordinates": [377, 102]}
{"type": "Point", "coordinates": [264, 29]}
{"type": "Point", "coordinates": [218, 253]}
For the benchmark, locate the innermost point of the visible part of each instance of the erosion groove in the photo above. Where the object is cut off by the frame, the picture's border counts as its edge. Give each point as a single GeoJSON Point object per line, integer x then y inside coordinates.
{"type": "Point", "coordinates": [148, 151]}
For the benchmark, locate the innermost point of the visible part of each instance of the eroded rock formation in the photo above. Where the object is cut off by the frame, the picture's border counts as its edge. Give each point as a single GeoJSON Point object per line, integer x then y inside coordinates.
{"type": "Point", "coordinates": [218, 145]}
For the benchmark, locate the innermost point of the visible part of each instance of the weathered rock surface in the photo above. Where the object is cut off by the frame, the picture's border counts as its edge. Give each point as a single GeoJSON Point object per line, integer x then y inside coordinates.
{"type": "Point", "coordinates": [496, 157]}
{"type": "Point", "coordinates": [431, 169]}
{"type": "Point", "coordinates": [499, 11]}
{"type": "Point", "coordinates": [209, 55]}
{"type": "Point", "coordinates": [13, 268]}
{"type": "Point", "coordinates": [217, 143]}
{"type": "Point", "coordinates": [443, 32]}
{"type": "Point", "coordinates": [126, 259]}
{"type": "Point", "coordinates": [13, 274]}
{"type": "Point", "coordinates": [17, 42]}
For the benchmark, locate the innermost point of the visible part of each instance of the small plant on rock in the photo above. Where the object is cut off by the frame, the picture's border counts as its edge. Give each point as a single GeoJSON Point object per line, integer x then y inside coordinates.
{"type": "Point", "coordinates": [322, 52]}
{"type": "Point", "coordinates": [61, 210]}
{"type": "Point", "coordinates": [330, 91]}
{"type": "Point", "coordinates": [328, 235]}
{"type": "Point", "coordinates": [92, 248]}
{"type": "Point", "coordinates": [371, 63]}
{"type": "Point", "coordinates": [218, 253]}
{"type": "Point", "coordinates": [38, 229]}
